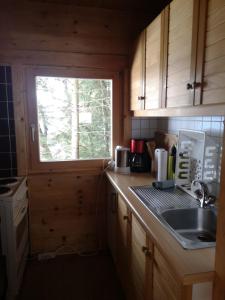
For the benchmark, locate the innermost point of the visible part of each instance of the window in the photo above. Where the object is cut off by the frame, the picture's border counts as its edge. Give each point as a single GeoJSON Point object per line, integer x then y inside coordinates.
{"type": "Point", "coordinates": [74, 118]}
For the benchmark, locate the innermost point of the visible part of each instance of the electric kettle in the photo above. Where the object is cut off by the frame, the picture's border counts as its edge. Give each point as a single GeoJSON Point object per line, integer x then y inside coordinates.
{"type": "Point", "coordinates": [122, 160]}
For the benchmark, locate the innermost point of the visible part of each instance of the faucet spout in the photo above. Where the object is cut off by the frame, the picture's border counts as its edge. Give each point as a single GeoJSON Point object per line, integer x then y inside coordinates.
{"type": "Point", "coordinates": [202, 193]}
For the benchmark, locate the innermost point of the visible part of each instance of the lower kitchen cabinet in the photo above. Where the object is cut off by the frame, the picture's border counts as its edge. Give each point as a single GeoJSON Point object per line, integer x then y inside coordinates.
{"type": "Point", "coordinates": [144, 272]}
{"type": "Point", "coordinates": [123, 243]}
{"type": "Point", "coordinates": [165, 286]}
{"type": "Point", "coordinates": [112, 219]}
{"type": "Point", "coordinates": [141, 262]}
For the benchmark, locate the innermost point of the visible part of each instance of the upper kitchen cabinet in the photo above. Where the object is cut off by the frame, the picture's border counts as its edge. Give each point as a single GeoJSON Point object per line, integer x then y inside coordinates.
{"type": "Point", "coordinates": [213, 90]}
{"type": "Point", "coordinates": [182, 37]}
{"type": "Point", "coordinates": [184, 61]}
{"type": "Point", "coordinates": [154, 63]}
{"type": "Point", "coordinates": [137, 73]}
{"type": "Point", "coordinates": [146, 67]}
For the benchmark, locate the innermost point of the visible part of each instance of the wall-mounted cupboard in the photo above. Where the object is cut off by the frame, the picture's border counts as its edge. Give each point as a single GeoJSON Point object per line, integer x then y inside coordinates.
{"type": "Point", "coordinates": [183, 61]}
{"type": "Point", "coordinates": [147, 66]}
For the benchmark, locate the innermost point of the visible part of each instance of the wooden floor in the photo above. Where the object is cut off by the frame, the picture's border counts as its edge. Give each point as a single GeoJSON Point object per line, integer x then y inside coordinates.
{"type": "Point", "coordinates": [71, 277]}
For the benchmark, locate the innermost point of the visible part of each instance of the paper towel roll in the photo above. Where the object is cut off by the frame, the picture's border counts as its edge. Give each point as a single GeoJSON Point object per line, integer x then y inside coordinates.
{"type": "Point", "coordinates": [161, 164]}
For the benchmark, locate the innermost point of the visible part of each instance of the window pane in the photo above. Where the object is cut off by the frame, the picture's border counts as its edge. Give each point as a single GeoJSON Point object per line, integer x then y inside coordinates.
{"type": "Point", "coordinates": [74, 118]}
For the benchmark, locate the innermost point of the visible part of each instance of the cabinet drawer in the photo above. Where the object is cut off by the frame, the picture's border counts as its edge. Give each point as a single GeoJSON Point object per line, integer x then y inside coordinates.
{"type": "Point", "coordinates": [165, 285]}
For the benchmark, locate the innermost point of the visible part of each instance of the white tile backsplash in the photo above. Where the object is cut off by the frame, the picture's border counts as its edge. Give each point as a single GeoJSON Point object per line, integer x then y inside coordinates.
{"type": "Point", "coordinates": [213, 125]}
{"type": "Point", "coordinates": [145, 127]}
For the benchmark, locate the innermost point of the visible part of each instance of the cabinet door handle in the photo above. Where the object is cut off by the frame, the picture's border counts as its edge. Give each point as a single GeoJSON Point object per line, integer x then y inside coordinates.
{"type": "Point", "coordinates": [114, 203]}
{"type": "Point", "coordinates": [194, 85]}
{"type": "Point", "coordinates": [141, 97]}
{"type": "Point", "coordinates": [126, 218]}
{"type": "Point", "coordinates": [146, 251]}
{"type": "Point", "coordinates": [189, 86]}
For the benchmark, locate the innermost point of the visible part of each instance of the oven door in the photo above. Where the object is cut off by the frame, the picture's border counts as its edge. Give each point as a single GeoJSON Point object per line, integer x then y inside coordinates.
{"type": "Point", "coordinates": [20, 225]}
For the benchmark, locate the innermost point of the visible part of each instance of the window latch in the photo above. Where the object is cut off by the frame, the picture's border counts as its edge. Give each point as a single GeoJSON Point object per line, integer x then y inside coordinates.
{"type": "Point", "coordinates": [32, 126]}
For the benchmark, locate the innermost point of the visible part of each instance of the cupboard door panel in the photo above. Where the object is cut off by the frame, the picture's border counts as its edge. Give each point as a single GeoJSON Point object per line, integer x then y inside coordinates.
{"type": "Point", "coordinates": [165, 285]}
{"type": "Point", "coordinates": [180, 52]}
{"type": "Point", "coordinates": [111, 219]}
{"type": "Point", "coordinates": [123, 246]}
{"type": "Point", "coordinates": [137, 74]}
{"type": "Point", "coordinates": [138, 259]}
{"type": "Point", "coordinates": [214, 72]}
{"type": "Point", "coordinates": [153, 64]}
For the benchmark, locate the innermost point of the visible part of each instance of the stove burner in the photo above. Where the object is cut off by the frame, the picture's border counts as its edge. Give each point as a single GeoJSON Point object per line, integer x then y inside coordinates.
{"type": "Point", "coordinates": [4, 189]}
{"type": "Point", "coordinates": [8, 181]}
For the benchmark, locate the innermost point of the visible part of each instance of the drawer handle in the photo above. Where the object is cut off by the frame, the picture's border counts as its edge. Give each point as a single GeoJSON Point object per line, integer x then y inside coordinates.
{"type": "Point", "coordinates": [126, 218]}
{"type": "Point", "coordinates": [146, 251]}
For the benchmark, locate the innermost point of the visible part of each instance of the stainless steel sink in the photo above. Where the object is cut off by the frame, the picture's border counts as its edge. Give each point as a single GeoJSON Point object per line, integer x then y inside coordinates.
{"type": "Point", "coordinates": [193, 227]}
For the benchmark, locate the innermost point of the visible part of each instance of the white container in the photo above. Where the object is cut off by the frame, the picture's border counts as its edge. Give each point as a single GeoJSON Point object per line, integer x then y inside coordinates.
{"type": "Point", "coordinates": [161, 164]}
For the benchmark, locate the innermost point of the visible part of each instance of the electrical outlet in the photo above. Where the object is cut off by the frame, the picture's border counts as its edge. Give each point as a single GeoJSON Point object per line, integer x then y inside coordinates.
{"type": "Point", "coordinates": [46, 255]}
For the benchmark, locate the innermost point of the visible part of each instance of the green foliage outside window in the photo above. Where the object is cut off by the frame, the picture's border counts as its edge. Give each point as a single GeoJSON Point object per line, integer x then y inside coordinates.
{"type": "Point", "coordinates": [74, 118]}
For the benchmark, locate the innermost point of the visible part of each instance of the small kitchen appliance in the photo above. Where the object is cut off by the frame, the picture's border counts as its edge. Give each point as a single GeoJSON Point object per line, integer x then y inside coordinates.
{"type": "Point", "coordinates": [122, 160]}
{"type": "Point", "coordinates": [139, 158]}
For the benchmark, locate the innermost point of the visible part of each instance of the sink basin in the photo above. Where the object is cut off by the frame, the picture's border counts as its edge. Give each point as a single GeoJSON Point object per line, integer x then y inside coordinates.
{"type": "Point", "coordinates": [193, 227]}
{"type": "Point", "coordinates": [180, 214]}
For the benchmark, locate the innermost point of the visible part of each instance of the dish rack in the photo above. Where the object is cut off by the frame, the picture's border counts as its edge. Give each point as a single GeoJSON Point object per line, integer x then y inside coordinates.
{"type": "Point", "coordinates": [198, 158]}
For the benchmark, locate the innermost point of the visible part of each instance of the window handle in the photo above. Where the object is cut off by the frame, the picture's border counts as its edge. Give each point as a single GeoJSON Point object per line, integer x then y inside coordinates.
{"type": "Point", "coordinates": [32, 126]}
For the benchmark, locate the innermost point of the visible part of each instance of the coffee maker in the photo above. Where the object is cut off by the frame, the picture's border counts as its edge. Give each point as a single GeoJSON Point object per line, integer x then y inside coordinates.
{"type": "Point", "coordinates": [139, 158]}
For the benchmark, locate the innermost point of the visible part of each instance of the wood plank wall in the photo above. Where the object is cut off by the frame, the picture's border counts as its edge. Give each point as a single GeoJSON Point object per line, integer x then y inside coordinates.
{"type": "Point", "coordinates": [66, 210]}
{"type": "Point", "coordinates": [31, 28]}
{"type": "Point", "coordinates": [63, 205]}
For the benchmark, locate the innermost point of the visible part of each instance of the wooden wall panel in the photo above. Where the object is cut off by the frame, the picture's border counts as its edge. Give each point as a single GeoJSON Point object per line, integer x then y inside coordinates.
{"type": "Point", "coordinates": [36, 33]}
{"type": "Point", "coordinates": [67, 28]}
{"type": "Point", "coordinates": [66, 210]}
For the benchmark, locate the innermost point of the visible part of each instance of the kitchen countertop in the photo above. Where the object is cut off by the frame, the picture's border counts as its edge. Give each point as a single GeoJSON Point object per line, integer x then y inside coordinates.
{"type": "Point", "coordinates": [190, 266]}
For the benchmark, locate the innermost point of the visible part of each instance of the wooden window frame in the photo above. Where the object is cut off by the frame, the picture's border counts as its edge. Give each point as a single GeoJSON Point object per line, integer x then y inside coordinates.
{"type": "Point", "coordinates": [34, 164]}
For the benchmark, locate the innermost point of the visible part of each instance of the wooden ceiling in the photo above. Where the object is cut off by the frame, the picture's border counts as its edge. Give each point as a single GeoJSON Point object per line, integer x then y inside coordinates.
{"type": "Point", "coordinates": [148, 6]}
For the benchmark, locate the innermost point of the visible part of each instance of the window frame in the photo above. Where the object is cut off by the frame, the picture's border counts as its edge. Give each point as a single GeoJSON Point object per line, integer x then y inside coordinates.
{"type": "Point", "coordinates": [35, 165]}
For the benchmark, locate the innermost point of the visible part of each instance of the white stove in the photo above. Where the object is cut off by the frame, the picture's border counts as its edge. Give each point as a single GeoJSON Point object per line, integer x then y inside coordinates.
{"type": "Point", "coordinates": [14, 230]}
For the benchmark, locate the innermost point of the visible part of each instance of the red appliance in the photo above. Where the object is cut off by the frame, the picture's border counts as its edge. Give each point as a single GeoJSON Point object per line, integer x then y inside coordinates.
{"type": "Point", "coordinates": [137, 146]}
{"type": "Point", "coordinates": [139, 161]}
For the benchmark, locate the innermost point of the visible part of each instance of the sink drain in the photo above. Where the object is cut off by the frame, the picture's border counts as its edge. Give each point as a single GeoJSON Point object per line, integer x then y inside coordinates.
{"type": "Point", "coordinates": [206, 237]}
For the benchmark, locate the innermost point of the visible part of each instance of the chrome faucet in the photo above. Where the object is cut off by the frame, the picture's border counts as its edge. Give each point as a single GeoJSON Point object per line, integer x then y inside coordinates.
{"type": "Point", "coordinates": [202, 193]}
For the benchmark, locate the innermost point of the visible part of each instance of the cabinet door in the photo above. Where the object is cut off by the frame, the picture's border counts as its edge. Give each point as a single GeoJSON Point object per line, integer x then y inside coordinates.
{"type": "Point", "coordinates": [214, 70]}
{"type": "Point", "coordinates": [181, 53]}
{"type": "Point", "coordinates": [137, 73]}
{"type": "Point", "coordinates": [165, 285]}
{"type": "Point", "coordinates": [153, 63]}
{"type": "Point", "coordinates": [141, 262]}
{"type": "Point", "coordinates": [123, 242]}
{"type": "Point", "coordinates": [111, 219]}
